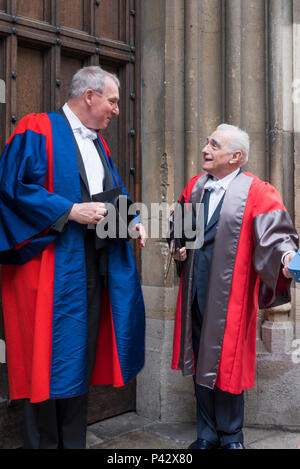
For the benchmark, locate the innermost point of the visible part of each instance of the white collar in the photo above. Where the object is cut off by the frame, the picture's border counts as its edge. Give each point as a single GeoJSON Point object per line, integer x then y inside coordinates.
{"type": "Point", "coordinates": [223, 183]}
{"type": "Point", "coordinates": [76, 124]}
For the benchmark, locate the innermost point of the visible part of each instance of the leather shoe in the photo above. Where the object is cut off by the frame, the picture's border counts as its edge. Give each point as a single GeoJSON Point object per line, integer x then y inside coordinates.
{"type": "Point", "coordinates": [234, 446]}
{"type": "Point", "coordinates": [202, 444]}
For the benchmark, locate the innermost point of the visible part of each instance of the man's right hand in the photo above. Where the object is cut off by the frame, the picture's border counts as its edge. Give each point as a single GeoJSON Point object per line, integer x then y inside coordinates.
{"type": "Point", "coordinates": [178, 254]}
{"type": "Point", "coordinates": [287, 260]}
{"type": "Point", "coordinates": [88, 213]}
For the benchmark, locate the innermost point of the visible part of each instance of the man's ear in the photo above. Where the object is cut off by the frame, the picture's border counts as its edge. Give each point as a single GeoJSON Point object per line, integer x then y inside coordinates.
{"type": "Point", "coordinates": [88, 96]}
{"type": "Point", "coordinates": [236, 157]}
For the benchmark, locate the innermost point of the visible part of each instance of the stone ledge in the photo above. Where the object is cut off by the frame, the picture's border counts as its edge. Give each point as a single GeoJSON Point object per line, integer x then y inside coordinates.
{"type": "Point", "coordinates": [160, 302]}
{"type": "Point", "coordinates": [277, 336]}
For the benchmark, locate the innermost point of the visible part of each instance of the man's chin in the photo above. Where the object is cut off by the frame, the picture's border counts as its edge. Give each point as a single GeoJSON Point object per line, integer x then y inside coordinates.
{"type": "Point", "coordinates": [210, 172]}
{"type": "Point", "coordinates": [105, 125]}
{"type": "Point", "coordinates": [207, 168]}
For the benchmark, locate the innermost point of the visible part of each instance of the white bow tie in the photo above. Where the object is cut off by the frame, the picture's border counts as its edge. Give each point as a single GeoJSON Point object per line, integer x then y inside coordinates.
{"type": "Point", "coordinates": [211, 185]}
{"type": "Point", "coordinates": [87, 133]}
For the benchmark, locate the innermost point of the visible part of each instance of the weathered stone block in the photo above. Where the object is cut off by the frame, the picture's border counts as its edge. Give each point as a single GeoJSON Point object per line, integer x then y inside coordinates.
{"type": "Point", "coordinates": [277, 336]}
{"type": "Point", "coordinates": [162, 393]}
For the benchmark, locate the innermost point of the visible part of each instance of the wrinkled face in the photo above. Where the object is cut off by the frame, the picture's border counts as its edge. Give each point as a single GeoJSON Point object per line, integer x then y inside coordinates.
{"type": "Point", "coordinates": [217, 156]}
{"type": "Point", "coordinates": [103, 107]}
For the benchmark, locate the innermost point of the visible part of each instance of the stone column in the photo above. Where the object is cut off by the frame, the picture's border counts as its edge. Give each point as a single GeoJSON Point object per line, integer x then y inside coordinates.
{"type": "Point", "coordinates": [191, 68]}
{"type": "Point", "coordinates": [162, 393]}
{"type": "Point", "coordinates": [274, 400]}
{"type": "Point", "coordinates": [245, 89]}
{"type": "Point", "coordinates": [182, 104]}
{"type": "Point", "coordinates": [211, 70]}
{"type": "Point", "coordinates": [277, 330]}
{"type": "Point", "coordinates": [203, 77]}
{"type": "Point", "coordinates": [296, 106]}
{"type": "Point", "coordinates": [280, 105]}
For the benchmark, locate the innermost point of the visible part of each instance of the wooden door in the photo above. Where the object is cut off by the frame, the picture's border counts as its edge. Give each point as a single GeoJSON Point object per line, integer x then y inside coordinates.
{"type": "Point", "coordinates": [42, 44]}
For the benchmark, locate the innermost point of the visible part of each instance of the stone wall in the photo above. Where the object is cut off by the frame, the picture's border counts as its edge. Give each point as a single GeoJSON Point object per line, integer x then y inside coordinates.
{"type": "Point", "coordinates": [161, 392]}
{"type": "Point", "coordinates": [205, 62]}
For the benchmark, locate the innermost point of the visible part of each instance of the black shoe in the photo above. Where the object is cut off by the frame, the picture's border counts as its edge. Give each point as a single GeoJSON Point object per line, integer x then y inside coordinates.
{"type": "Point", "coordinates": [202, 444]}
{"type": "Point", "coordinates": [234, 446]}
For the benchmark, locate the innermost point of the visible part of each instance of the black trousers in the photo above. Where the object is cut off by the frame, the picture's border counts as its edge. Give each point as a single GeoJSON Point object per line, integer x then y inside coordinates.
{"type": "Point", "coordinates": [56, 424]}
{"type": "Point", "coordinates": [61, 423]}
{"type": "Point", "coordinates": [220, 414]}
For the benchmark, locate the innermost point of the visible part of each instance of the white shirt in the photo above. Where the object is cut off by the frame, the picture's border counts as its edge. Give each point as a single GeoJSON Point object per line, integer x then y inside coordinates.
{"type": "Point", "coordinates": [91, 159]}
{"type": "Point", "coordinates": [218, 188]}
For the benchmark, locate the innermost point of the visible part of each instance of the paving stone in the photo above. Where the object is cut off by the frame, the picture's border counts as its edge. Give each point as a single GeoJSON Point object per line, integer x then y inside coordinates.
{"type": "Point", "coordinates": [252, 435]}
{"type": "Point", "coordinates": [184, 432]}
{"type": "Point", "coordinates": [277, 440]}
{"type": "Point", "coordinates": [130, 431]}
{"type": "Point", "coordinates": [92, 440]}
{"type": "Point", "coordinates": [139, 440]}
{"type": "Point", "coordinates": [116, 426]}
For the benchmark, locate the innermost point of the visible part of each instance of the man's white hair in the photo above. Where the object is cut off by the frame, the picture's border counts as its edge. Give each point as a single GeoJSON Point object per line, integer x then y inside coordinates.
{"type": "Point", "coordinates": [240, 140]}
{"type": "Point", "coordinates": [90, 77]}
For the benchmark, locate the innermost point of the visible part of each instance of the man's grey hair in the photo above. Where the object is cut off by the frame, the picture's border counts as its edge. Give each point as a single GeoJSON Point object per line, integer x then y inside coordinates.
{"type": "Point", "coordinates": [90, 77]}
{"type": "Point", "coordinates": [240, 140]}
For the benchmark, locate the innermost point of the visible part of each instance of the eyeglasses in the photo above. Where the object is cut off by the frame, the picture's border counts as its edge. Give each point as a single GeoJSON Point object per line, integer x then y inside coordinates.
{"type": "Point", "coordinates": [97, 93]}
{"type": "Point", "coordinates": [114, 104]}
{"type": "Point", "coordinates": [214, 144]}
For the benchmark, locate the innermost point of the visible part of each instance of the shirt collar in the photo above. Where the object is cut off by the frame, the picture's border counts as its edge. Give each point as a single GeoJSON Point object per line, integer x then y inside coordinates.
{"type": "Point", "coordinates": [75, 122]}
{"type": "Point", "coordinates": [224, 182]}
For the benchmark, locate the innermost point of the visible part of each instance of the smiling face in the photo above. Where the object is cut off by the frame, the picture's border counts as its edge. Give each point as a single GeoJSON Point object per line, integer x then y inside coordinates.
{"type": "Point", "coordinates": [218, 158]}
{"type": "Point", "coordinates": [102, 107]}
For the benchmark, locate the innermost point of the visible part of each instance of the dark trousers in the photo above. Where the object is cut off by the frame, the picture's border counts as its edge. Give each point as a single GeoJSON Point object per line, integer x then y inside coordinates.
{"type": "Point", "coordinates": [56, 424]}
{"type": "Point", "coordinates": [220, 414]}
{"type": "Point", "coordinates": [61, 423]}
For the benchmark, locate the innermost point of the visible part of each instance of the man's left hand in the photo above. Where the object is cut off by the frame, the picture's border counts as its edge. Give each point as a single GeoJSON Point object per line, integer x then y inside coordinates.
{"type": "Point", "coordinates": [286, 261]}
{"type": "Point", "coordinates": [140, 233]}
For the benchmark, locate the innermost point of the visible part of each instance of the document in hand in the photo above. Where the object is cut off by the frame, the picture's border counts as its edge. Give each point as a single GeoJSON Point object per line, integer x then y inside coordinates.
{"type": "Point", "coordinates": [115, 224]}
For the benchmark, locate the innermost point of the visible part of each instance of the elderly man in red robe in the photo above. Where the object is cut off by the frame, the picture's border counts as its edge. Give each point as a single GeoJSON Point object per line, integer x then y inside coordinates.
{"type": "Point", "coordinates": [248, 241]}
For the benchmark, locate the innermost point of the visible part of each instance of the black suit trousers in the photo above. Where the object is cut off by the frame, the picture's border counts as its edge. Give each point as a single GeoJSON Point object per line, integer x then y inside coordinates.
{"type": "Point", "coordinates": [220, 414]}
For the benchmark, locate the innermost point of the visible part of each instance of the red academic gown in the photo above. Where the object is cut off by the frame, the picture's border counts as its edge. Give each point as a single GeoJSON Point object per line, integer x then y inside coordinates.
{"type": "Point", "coordinates": [254, 231]}
{"type": "Point", "coordinates": [44, 281]}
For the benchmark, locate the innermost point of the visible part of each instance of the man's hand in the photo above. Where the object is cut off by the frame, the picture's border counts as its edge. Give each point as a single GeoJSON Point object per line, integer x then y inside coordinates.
{"type": "Point", "coordinates": [139, 232]}
{"type": "Point", "coordinates": [286, 261]}
{"type": "Point", "coordinates": [178, 254]}
{"type": "Point", "coordinates": [88, 213]}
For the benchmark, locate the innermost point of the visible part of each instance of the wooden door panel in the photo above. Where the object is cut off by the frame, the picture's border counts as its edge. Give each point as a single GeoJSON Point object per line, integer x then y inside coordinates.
{"type": "Point", "coordinates": [112, 133]}
{"type": "Point", "coordinates": [69, 65]}
{"type": "Point", "coordinates": [2, 104]}
{"type": "Point", "coordinates": [73, 14]}
{"type": "Point", "coordinates": [107, 401]}
{"type": "Point", "coordinates": [31, 70]}
{"type": "Point", "coordinates": [35, 9]}
{"type": "Point", "coordinates": [111, 19]}
{"type": "Point", "coordinates": [116, 134]}
{"type": "Point", "coordinates": [111, 136]}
